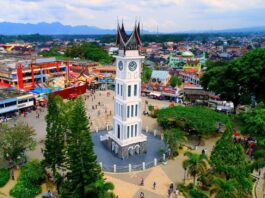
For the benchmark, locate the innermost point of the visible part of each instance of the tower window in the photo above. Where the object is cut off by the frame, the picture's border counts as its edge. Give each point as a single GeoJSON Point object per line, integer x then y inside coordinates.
{"type": "Point", "coordinates": [128, 131]}
{"type": "Point", "coordinates": [119, 131]}
{"type": "Point", "coordinates": [128, 111]}
{"type": "Point", "coordinates": [135, 128]}
{"type": "Point", "coordinates": [131, 130]}
{"type": "Point", "coordinates": [135, 90]}
{"type": "Point", "coordinates": [132, 110]}
{"type": "Point", "coordinates": [118, 88]}
{"type": "Point", "coordinates": [121, 89]}
{"type": "Point", "coordinates": [136, 110]}
{"type": "Point", "coordinates": [129, 90]}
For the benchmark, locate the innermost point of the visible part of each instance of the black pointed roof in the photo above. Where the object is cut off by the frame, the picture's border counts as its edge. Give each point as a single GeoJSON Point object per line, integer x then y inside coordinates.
{"type": "Point", "coordinates": [128, 42]}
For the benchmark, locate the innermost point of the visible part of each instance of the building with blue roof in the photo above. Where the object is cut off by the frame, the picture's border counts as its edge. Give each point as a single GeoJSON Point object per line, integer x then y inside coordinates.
{"type": "Point", "coordinates": [160, 77]}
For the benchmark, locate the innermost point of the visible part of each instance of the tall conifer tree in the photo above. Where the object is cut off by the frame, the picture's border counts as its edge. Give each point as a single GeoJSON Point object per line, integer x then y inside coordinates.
{"type": "Point", "coordinates": [84, 177]}
{"type": "Point", "coordinates": [56, 127]}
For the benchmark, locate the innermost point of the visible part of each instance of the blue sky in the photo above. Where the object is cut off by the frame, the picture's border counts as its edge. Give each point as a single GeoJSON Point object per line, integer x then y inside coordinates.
{"type": "Point", "coordinates": [168, 15]}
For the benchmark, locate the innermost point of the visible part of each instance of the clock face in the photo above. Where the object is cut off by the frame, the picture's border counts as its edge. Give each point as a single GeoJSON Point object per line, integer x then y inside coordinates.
{"type": "Point", "coordinates": [132, 66]}
{"type": "Point", "coordinates": [120, 65]}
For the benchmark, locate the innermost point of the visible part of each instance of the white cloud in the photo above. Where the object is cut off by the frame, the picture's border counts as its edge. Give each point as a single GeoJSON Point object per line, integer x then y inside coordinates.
{"type": "Point", "coordinates": [169, 15]}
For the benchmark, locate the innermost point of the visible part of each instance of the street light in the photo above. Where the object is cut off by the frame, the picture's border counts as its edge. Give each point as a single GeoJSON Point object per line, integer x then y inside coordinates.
{"type": "Point", "coordinates": [185, 169]}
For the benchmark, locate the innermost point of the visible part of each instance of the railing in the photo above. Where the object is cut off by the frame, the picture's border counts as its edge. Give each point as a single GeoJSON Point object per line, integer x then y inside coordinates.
{"type": "Point", "coordinates": [132, 167]}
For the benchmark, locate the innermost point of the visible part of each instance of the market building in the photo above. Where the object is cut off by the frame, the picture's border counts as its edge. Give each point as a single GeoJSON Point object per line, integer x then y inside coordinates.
{"type": "Point", "coordinates": [28, 74]}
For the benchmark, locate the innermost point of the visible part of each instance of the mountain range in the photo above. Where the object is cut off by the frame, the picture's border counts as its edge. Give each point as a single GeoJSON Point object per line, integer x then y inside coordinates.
{"type": "Point", "coordinates": [8, 28]}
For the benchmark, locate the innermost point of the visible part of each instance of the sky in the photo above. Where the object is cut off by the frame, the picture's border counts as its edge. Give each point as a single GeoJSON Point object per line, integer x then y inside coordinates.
{"type": "Point", "coordinates": [167, 15]}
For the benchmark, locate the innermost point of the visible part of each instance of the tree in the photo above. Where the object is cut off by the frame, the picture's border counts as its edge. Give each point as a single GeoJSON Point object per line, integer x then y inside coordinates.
{"type": "Point", "coordinates": [253, 124]}
{"type": "Point", "coordinates": [223, 79]}
{"type": "Point", "coordinates": [201, 120]}
{"type": "Point", "coordinates": [229, 159]}
{"type": "Point", "coordinates": [56, 129]}
{"type": "Point", "coordinates": [16, 140]}
{"type": "Point", "coordinates": [84, 177]}
{"type": "Point", "coordinates": [173, 138]}
{"type": "Point", "coordinates": [224, 188]}
{"type": "Point", "coordinates": [89, 51]}
{"type": "Point", "coordinates": [174, 80]}
{"type": "Point", "coordinates": [196, 164]}
{"type": "Point", "coordinates": [146, 74]}
{"type": "Point", "coordinates": [238, 79]}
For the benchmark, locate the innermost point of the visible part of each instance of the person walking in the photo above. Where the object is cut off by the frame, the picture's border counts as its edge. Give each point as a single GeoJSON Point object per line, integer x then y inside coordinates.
{"type": "Point", "coordinates": [154, 185]}
{"type": "Point", "coordinates": [141, 195]}
{"type": "Point", "coordinates": [176, 193]}
{"type": "Point", "coordinates": [169, 193]}
{"type": "Point", "coordinates": [12, 174]}
{"type": "Point", "coordinates": [142, 182]}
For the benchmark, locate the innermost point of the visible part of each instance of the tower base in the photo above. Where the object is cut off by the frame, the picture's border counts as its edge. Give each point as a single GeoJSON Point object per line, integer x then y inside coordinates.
{"type": "Point", "coordinates": [123, 151]}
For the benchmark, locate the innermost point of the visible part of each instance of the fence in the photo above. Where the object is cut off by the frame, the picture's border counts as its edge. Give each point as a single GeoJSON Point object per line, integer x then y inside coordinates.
{"type": "Point", "coordinates": [132, 167]}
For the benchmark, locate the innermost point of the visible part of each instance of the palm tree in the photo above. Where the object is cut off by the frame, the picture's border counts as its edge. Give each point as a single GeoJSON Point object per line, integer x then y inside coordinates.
{"type": "Point", "coordinates": [104, 189]}
{"type": "Point", "coordinates": [173, 138]}
{"type": "Point", "coordinates": [196, 164]}
{"type": "Point", "coordinates": [224, 188]}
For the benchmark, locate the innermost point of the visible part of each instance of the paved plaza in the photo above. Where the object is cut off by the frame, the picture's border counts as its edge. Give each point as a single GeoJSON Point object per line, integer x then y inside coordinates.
{"type": "Point", "coordinates": [126, 184]}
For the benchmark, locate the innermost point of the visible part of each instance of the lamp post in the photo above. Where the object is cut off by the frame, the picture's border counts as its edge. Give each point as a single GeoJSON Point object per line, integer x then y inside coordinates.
{"type": "Point", "coordinates": [185, 169]}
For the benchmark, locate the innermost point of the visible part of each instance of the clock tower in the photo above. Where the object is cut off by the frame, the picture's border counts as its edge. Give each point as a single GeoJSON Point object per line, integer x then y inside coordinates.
{"type": "Point", "coordinates": [126, 138]}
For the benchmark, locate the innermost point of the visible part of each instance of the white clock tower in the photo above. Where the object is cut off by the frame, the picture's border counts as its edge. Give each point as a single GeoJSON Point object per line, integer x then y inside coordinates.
{"type": "Point", "coordinates": [126, 138]}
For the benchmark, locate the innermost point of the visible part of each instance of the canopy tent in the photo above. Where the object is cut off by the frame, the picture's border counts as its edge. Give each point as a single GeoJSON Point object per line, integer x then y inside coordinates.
{"type": "Point", "coordinates": [38, 90]}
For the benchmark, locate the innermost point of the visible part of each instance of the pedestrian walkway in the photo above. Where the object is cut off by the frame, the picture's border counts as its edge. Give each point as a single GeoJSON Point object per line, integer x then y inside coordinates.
{"type": "Point", "coordinates": [4, 191]}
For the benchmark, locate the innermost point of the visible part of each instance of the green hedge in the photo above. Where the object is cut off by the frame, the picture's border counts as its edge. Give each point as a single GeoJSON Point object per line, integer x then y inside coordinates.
{"type": "Point", "coordinates": [202, 119]}
{"type": "Point", "coordinates": [4, 176]}
{"type": "Point", "coordinates": [28, 185]}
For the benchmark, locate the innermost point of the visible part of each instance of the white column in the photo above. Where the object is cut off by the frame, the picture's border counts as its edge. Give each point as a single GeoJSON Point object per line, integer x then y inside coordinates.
{"type": "Point", "coordinates": [130, 168]}
{"type": "Point", "coordinates": [143, 165]}
{"type": "Point", "coordinates": [114, 168]}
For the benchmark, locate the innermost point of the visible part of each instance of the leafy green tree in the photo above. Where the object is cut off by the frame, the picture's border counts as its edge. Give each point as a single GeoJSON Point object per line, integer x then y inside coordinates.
{"type": "Point", "coordinates": [238, 79]}
{"type": "Point", "coordinates": [84, 177]}
{"type": "Point", "coordinates": [89, 51]}
{"type": "Point", "coordinates": [196, 164]}
{"type": "Point", "coordinates": [146, 74]}
{"type": "Point", "coordinates": [253, 124]}
{"type": "Point", "coordinates": [223, 79]}
{"type": "Point", "coordinates": [173, 138]}
{"type": "Point", "coordinates": [174, 81]}
{"type": "Point", "coordinates": [252, 73]}
{"type": "Point", "coordinates": [16, 140]}
{"type": "Point", "coordinates": [56, 129]}
{"type": "Point", "coordinates": [224, 188]}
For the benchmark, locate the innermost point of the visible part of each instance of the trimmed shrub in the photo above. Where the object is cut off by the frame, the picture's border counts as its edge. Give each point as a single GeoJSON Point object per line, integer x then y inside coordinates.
{"type": "Point", "coordinates": [4, 176]}
{"type": "Point", "coordinates": [28, 185]}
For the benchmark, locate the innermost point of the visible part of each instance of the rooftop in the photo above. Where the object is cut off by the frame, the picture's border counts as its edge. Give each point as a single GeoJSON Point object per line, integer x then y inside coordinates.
{"type": "Point", "coordinates": [162, 75]}
{"type": "Point", "coordinates": [6, 93]}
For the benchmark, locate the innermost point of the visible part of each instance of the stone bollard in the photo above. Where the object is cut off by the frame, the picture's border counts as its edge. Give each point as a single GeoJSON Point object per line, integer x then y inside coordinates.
{"type": "Point", "coordinates": [97, 129]}
{"type": "Point", "coordinates": [143, 165]}
{"type": "Point", "coordinates": [162, 136]}
{"type": "Point", "coordinates": [155, 162]}
{"type": "Point", "coordinates": [130, 168]}
{"type": "Point", "coordinates": [100, 164]}
{"type": "Point", "coordinates": [146, 130]}
{"type": "Point", "coordinates": [155, 132]}
{"type": "Point", "coordinates": [107, 127]}
{"type": "Point", "coordinates": [114, 168]}
{"type": "Point", "coordinates": [164, 157]}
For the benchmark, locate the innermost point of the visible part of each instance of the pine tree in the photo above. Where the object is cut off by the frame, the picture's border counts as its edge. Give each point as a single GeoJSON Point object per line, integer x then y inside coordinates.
{"type": "Point", "coordinates": [84, 177]}
{"type": "Point", "coordinates": [229, 159]}
{"type": "Point", "coordinates": [56, 128]}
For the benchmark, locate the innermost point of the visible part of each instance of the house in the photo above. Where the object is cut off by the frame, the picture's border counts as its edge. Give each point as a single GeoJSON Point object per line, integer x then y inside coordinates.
{"type": "Point", "coordinates": [160, 77]}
